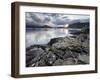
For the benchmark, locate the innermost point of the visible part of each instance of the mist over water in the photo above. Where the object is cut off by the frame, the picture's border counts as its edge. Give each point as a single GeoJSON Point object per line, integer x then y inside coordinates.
{"type": "Point", "coordinates": [43, 35]}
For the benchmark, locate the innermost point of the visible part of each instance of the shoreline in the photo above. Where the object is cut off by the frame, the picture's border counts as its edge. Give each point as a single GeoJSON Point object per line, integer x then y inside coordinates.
{"type": "Point", "coordinates": [59, 51]}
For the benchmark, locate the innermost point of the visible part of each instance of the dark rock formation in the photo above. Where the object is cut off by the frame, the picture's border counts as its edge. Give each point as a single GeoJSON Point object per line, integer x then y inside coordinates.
{"type": "Point", "coordinates": [58, 62]}
{"type": "Point", "coordinates": [50, 58]}
{"type": "Point", "coordinates": [34, 55]}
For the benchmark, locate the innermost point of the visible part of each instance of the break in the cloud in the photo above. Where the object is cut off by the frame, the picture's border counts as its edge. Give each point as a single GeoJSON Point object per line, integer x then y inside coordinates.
{"type": "Point", "coordinates": [53, 19]}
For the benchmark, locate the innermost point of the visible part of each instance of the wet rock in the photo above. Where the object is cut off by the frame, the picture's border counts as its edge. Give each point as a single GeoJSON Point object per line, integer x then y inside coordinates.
{"type": "Point", "coordinates": [38, 63]}
{"type": "Point", "coordinates": [34, 64]}
{"type": "Point", "coordinates": [69, 61]}
{"type": "Point", "coordinates": [57, 42]}
{"type": "Point", "coordinates": [67, 54]}
{"type": "Point", "coordinates": [84, 58]}
{"type": "Point", "coordinates": [52, 41]}
{"type": "Point", "coordinates": [64, 43]}
{"type": "Point", "coordinates": [42, 63]}
{"type": "Point", "coordinates": [36, 54]}
{"type": "Point", "coordinates": [59, 53]}
{"type": "Point", "coordinates": [50, 58]}
{"type": "Point", "coordinates": [77, 49]}
{"type": "Point", "coordinates": [35, 51]}
{"type": "Point", "coordinates": [70, 54]}
{"type": "Point", "coordinates": [58, 62]}
{"type": "Point", "coordinates": [47, 49]}
{"type": "Point", "coordinates": [59, 45]}
{"type": "Point", "coordinates": [29, 58]}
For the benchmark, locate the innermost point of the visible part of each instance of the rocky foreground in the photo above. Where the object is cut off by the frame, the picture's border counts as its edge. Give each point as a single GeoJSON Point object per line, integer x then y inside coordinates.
{"type": "Point", "coordinates": [60, 51]}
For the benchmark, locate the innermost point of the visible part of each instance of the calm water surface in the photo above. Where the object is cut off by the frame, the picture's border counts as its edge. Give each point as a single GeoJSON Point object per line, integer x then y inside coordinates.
{"type": "Point", "coordinates": [43, 35]}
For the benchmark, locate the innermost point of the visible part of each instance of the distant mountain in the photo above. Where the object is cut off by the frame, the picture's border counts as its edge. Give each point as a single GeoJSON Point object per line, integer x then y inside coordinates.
{"type": "Point", "coordinates": [46, 26]}
{"type": "Point", "coordinates": [78, 28]}
{"type": "Point", "coordinates": [79, 25]}
{"type": "Point", "coordinates": [34, 26]}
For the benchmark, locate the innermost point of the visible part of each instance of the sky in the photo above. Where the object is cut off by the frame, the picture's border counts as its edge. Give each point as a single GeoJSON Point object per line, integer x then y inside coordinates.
{"type": "Point", "coordinates": [53, 19]}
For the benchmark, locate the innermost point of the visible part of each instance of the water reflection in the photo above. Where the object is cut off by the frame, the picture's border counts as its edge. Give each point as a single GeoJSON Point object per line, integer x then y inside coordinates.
{"type": "Point", "coordinates": [43, 35]}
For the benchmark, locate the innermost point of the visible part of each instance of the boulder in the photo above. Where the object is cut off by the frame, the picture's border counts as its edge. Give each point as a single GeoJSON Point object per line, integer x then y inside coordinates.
{"type": "Point", "coordinates": [58, 62]}
{"type": "Point", "coordinates": [84, 58]}
{"type": "Point", "coordinates": [50, 58]}
{"type": "Point", "coordinates": [59, 53]}
{"type": "Point", "coordinates": [69, 61]}
{"type": "Point", "coordinates": [42, 63]}
{"type": "Point", "coordinates": [63, 43]}
{"type": "Point", "coordinates": [36, 54]}
{"type": "Point", "coordinates": [67, 54]}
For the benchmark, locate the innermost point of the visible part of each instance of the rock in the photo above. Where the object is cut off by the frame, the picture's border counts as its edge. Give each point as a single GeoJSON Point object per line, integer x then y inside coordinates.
{"type": "Point", "coordinates": [67, 54]}
{"type": "Point", "coordinates": [58, 62]}
{"type": "Point", "coordinates": [85, 30]}
{"type": "Point", "coordinates": [85, 51]}
{"type": "Point", "coordinates": [34, 64]}
{"type": "Point", "coordinates": [85, 44]}
{"type": "Point", "coordinates": [42, 63]}
{"type": "Point", "coordinates": [59, 45]}
{"type": "Point", "coordinates": [84, 58]}
{"type": "Point", "coordinates": [29, 58]}
{"type": "Point", "coordinates": [56, 43]}
{"type": "Point", "coordinates": [36, 54]}
{"type": "Point", "coordinates": [70, 54]}
{"type": "Point", "coordinates": [47, 49]}
{"type": "Point", "coordinates": [77, 49]}
{"type": "Point", "coordinates": [59, 53]}
{"type": "Point", "coordinates": [83, 39]}
{"type": "Point", "coordinates": [69, 61]}
{"type": "Point", "coordinates": [50, 58]}
{"type": "Point", "coordinates": [54, 40]}
{"type": "Point", "coordinates": [64, 42]}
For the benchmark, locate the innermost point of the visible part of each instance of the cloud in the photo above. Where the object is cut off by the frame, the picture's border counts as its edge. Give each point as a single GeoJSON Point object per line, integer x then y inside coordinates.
{"type": "Point", "coordinates": [53, 19]}
{"type": "Point", "coordinates": [34, 19]}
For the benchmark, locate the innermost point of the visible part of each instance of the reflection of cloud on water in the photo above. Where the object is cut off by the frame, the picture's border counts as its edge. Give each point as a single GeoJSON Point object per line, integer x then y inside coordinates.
{"type": "Point", "coordinates": [44, 36]}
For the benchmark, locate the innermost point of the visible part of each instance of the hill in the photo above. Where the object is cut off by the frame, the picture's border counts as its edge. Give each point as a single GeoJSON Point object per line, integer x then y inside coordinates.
{"type": "Point", "coordinates": [79, 25]}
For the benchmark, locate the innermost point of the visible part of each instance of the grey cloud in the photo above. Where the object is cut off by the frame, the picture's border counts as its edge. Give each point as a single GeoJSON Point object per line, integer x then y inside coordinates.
{"type": "Point", "coordinates": [53, 19]}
